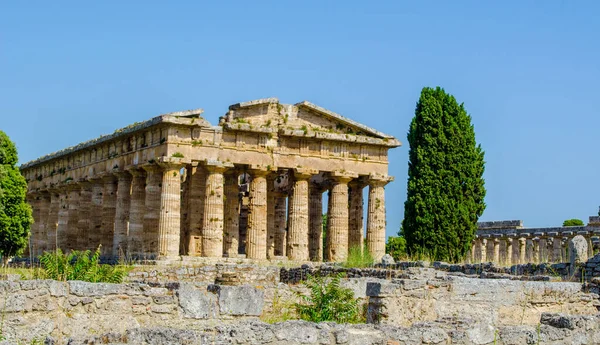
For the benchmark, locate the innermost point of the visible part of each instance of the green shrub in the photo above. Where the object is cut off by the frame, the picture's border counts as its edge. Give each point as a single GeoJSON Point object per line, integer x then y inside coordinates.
{"type": "Point", "coordinates": [328, 301]}
{"type": "Point", "coordinates": [573, 222]}
{"type": "Point", "coordinates": [177, 155]}
{"type": "Point", "coordinates": [359, 258]}
{"type": "Point", "coordinates": [396, 247]}
{"type": "Point", "coordinates": [81, 265]}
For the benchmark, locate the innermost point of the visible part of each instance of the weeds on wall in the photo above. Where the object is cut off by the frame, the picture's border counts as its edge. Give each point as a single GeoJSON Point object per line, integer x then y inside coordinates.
{"type": "Point", "coordinates": [359, 258]}
{"type": "Point", "coordinates": [81, 265]}
{"type": "Point", "coordinates": [328, 301]}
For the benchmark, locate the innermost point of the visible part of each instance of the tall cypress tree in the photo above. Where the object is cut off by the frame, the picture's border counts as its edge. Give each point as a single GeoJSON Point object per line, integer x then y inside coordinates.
{"type": "Point", "coordinates": [445, 179]}
{"type": "Point", "coordinates": [15, 213]}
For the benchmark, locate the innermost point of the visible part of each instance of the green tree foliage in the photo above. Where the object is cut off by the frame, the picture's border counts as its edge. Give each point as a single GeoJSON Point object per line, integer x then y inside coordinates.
{"type": "Point", "coordinates": [79, 265]}
{"type": "Point", "coordinates": [445, 193]}
{"type": "Point", "coordinates": [328, 301]}
{"type": "Point", "coordinates": [15, 213]}
{"type": "Point", "coordinates": [396, 247]}
{"type": "Point", "coordinates": [573, 222]}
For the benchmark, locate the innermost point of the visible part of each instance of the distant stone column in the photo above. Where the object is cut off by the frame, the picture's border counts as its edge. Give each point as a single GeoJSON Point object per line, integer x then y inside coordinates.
{"type": "Point", "coordinates": [44, 207]}
{"type": "Point", "coordinates": [256, 235]}
{"type": "Point", "coordinates": [271, 203]}
{"type": "Point", "coordinates": [509, 252]}
{"type": "Point", "coordinates": [109, 209]}
{"type": "Point", "coordinates": [137, 209]}
{"type": "Point", "coordinates": [496, 257]}
{"type": "Point", "coordinates": [169, 220]}
{"type": "Point", "coordinates": [51, 225]}
{"type": "Point", "coordinates": [355, 215]}
{"type": "Point", "coordinates": [63, 220]}
{"type": "Point", "coordinates": [522, 250]}
{"type": "Point", "coordinates": [297, 241]}
{"type": "Point", "coordinates": [152, 204]}
{"type": "Point", "coordinates": [120, 240]}
{"type": "Point", "coordinates": [564, 248]}
{"type": "Point", "coordinates": [94, 236]}
{"type": "Point", "coordinates": [280, 225]}
{"type": "Point", "coordinates": [84, 222]}
{"type": "Point", "coordinates": [376, 217]}
{"type": "Point", "coordinates": [473, 251]}
{"type": "Point", "coordinates": [196, 198]}
{"type": "Point", "coordinates": [536, 250]}
{"type": "Point", "coordinates": [212, 225]}
{"type": "Point", "coordinates": [588, 238]}
{"type": "Point", "coordinates": [557, 249]}
{"type": "Point", "coordinates": [232, 214]}
{"type": "Point", "coordinates": [337, 219]}
{"type": "Point", "coordinates": [315, 223]}
{"type": "Point", "coordinates": [72, 216]}
{"type": "Point", "coordinates": [483, 248]}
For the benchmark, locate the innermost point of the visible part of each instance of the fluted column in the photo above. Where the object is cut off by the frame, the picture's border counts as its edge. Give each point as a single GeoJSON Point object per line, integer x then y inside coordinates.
{"type": "Point", "coordinates": [473, 251]}
{"type": "Point", "coordinates": [119, 246]}
{"type": "Point", "coordinates": [72, 216]}
{"type": "Point", "coordinates": [83, 223]}
{"type": "Point", "coordinates": [169, 220]}
{"type": "Point", "coordinates": [256, 236]}
{"type": "Point", "coordinates": [549, 242]}
{"type": "Point", "coordinates": [271, 230]}
{"type": "Point", "coordinates": [355, 215]}
{"type": "Point", "coordinates": [109, 208]}
{"type": "Point", "coordinates": [63, 219]}
{"type": "Point", "coordinates": [137, 209]}
{"type": "Point", "coordinates": [376, 217]}
{"type": "Point", "coordinates": [337, 219]}
{"type": "Point", "coordinates": [280, 225]}
{"type": "Point", "coordinates": [557, 249]}
{"type": "Point", "coordinates": [94, 236]}
{"type": "Point", "coordinates": [315, 223]}
{"type": "Point", "coordinates": [564, 248]}
{"type": "Point", "coordinates": [297, 240]}
{"type": "Point", "coordinates": [52, 220]}
{"type": "Point", "coordinates": [522, 250]}
{"type": "Point", "coordinates": [212, 226]}
{"type": "Point", "coordinates": [496, 257]}
{"type": "Point", "coordinates": [483, 249]}
{"type": "Point", "coordinates": [536, 250]}
{"type": "Point", "coordinates": [509, 252]}
{"type": "Point", "coordinates": [232, 214]}
{"type": "Point", "coordinates": [152, 204]}
{"type": "Point", "coordinates": [196, 196]}
{"type": "Point", "coordinates": [44, 206]}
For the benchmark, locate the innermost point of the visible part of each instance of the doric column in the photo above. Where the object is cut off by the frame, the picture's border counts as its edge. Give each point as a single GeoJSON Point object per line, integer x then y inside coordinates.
{"type": "Point", "coordinates": [169, 219]}
{"type": "Point", "coordinates": [94, 236]}
{"type": "Point", "coordinates": [280, 225]}
{"type": "Point", "coordinates": [355, 215]}
{"type": "Point", "coordinates": [137, 209]}
{"type": "Point", "coordinates": [556, 248]}
{"type": "Point", "coordinates": [315, 222]}
{"type": "Point", "coordinates": [152, 213]}
{"type": "Point", "coordinates": [271, 230]}
{"type": "Point", "coordinates": [473, 251]}
{"type": "Point", "coordinates": [522, 250]}
{"type": "Point", "coordinates": [549, 242]}
{"type": "Point", "coordinates": [536, 250]}
{"type": "Point", "coordinates": [256, 235]}
{"type": "Point", "coordinates": [196, 196]}
{"type": "Point", "coordinates": [44, 207]}
{"type": "Point", "coordinates": [119, 246]}
{"type": "Point", "coordinates": [63, 219]}
{"type": "Point", "coordinates": [51, 225]}
{"type": "Point", "coordinates": [83, 223]}
{"type": "Point", "coordinates": [232, 214]}
{"type": "Point", "coordinates": [212, 225]}
{"type": "Point", "coordinates": [297, 241]}
{"type": "Point", "coordinates": [483, 249]}
{"type": "Point", "coordinates": [509, 252]}
{"type": "Point", "coordinates": [376, 217]}
{"type": "Point", "coordinates": [73, 216]}
{"type": "Point", "coordinates": [564, 247]}
{"type": "Point", "coordinates": [588, 238]}
{"type": "Point", "coordinates": [496, 257]}
{"type": "Point", "coordinates": [109, 208]}
{"type": "Point", "coordinates": [337, 218]}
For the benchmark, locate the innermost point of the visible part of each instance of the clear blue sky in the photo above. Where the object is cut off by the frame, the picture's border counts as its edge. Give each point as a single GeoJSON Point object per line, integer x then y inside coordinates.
{"type": "Point", "coordinates": [527, 71]}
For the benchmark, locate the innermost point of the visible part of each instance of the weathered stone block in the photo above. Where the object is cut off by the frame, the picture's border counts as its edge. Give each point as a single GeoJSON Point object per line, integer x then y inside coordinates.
{"type": "Point", "coordinates": [239, 300]}
{"type": "Point", "coordinates": [195, 303]}
{"type": "Point", "coordinates": [85, 289]}
{"type": "Point", "coordinates": [578, 249]}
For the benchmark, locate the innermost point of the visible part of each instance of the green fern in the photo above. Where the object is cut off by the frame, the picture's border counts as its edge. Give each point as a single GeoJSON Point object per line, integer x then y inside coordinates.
{"type": "Point", "coordinates": [81, 265]}
{"type": "Point", "coordinates": [328, 301]}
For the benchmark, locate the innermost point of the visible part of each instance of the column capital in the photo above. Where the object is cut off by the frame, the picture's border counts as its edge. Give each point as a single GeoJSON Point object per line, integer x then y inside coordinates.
{"type": "Point", "coordinates": [304, 173]}
{"type": "Point", "coordinates": [217, 166]}
{"type": "Point", "coordinates": [379, 180]}
{"type": "Point", "coordinates": [342, 176]}
{"type": "Point", "coordinates": [135, 170]}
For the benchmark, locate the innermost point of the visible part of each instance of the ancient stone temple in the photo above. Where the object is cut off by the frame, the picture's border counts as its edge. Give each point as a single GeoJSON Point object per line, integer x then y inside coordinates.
{"type": "Point", "coordinates": [176, 185]}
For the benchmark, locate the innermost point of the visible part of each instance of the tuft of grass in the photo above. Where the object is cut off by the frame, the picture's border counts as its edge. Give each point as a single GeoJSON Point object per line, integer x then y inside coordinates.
{"type": "Point", "coordinates": [281, 310]}
{"type": "Point", "coordinates": [177, 155]}
{"type": "Point", "coordinates": [359, 257]}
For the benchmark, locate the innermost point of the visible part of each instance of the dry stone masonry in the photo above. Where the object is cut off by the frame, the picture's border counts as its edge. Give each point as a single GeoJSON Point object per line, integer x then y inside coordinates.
{"type": "Point", "coordinates": [176, 185]}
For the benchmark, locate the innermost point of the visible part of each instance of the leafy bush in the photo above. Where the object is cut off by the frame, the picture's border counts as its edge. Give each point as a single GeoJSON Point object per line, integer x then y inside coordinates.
{"type": "Point", "coordinates": [79, 265]}
{"type": "Point", "coordinates": [573, 222]}
{"type": "Point", "coordinates": [359, 258]}
{"type": "Point", "coordinates": [328, 301]}
{"type": "Point", "coordinates": [396, 247]}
